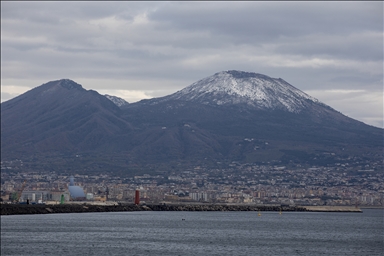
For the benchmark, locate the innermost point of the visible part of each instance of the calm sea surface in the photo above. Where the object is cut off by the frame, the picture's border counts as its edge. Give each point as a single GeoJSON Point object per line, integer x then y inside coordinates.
{"type": "Point", "coordinates": [194, 233]}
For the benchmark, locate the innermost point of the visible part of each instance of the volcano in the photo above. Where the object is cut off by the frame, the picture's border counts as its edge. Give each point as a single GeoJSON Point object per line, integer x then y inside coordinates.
{"type": "Point", "coordinates": [229, 116]}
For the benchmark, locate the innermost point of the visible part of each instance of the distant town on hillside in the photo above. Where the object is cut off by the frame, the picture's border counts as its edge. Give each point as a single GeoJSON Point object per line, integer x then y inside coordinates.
{"type": "Point", "coordinates": [342, 184]}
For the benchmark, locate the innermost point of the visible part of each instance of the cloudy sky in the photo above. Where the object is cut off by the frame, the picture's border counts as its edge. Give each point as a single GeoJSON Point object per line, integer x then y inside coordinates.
{"type": "Point", "coordinates": [135, 50]}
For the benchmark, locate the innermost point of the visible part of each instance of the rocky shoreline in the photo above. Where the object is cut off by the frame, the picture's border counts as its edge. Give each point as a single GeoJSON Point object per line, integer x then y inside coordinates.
{"type": "Point", "coordinates": [19, 209]}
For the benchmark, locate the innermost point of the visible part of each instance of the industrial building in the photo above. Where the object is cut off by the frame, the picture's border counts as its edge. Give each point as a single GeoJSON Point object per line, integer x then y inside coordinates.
{"type": "Point", "coordinates": [76, 192]}
{"type": "Point", "coordinates": [38, 196]}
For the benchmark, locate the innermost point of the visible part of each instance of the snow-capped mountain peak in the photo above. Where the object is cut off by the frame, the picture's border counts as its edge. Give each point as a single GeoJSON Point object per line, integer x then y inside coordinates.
{"type": "Point", "coordinates": [238, 87]}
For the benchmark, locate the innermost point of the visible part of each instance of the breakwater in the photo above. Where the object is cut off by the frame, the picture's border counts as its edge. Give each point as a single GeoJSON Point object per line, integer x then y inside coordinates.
{"type": "Point", "coordinates": [13, 209]}
{"type": "Point", "coordinates": [17, 209]}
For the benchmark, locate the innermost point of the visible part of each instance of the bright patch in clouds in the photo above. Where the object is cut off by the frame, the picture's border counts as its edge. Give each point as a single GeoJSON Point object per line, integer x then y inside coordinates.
{"type": "Point", "coordinates": [10, 91]}
{"type": "Point", "coordinates": [365, 106]}
{"type": "Point", "coordinates": [344, 91]}
{"type": "Point", "coordinates": [141, 19]}
{"type": "Point", "coordinates": [128, 95]}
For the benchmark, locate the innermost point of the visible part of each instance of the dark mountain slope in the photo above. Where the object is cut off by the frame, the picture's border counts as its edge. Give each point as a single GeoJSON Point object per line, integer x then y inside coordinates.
{"type": "Point", "coordinates": [229, 129]}
{"type": "Point", "coordinates": [59, 115]}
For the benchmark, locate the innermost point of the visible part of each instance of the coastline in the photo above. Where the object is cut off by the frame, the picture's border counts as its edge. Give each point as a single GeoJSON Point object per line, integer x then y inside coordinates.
{"type": "Point", "coordinates": [20, 209]}
{"type": "Point", "coordinates": [333, 209]}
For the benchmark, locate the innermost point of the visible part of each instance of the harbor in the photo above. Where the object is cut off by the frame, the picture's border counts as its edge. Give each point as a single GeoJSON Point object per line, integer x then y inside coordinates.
{"type": "Point", "coordinates": [19, 209]}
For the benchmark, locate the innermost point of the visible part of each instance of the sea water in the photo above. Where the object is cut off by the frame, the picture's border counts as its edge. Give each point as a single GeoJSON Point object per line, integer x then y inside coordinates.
{"type": "Point", "coordinates": [194, 233]}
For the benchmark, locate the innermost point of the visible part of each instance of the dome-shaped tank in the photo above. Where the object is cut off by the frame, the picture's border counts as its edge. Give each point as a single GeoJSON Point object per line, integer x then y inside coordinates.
{"type": "Point", "coordinates": [75, 191]}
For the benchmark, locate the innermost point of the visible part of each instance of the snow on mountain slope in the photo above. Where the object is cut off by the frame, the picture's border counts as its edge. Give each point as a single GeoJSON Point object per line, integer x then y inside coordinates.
{"type": "Point", "coordinates": [118, 101]}
{"type": "Point", "coordinates": [238, 87]}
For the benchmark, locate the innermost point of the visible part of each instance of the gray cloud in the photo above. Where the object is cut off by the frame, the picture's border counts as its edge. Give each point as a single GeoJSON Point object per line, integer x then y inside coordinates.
{"type": "Point", "coordinates": [143, 49]}
{"type": "Point", "coordinates": [267, 21]}
{"type": "Point", "coordinates": [356, 46]}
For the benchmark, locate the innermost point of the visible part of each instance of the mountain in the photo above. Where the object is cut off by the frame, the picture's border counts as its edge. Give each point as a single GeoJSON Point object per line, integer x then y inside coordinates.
{"type": "Point", "coordinates": [249, 92]}
{"type": "Point", "coordinates": [233, 108]}
{"type": "Point", "coordinates": [252, 89]}
{"type": "Point", "coordinates": [59, 116]}
{"type": "Point", "coordinates": [229, 116]}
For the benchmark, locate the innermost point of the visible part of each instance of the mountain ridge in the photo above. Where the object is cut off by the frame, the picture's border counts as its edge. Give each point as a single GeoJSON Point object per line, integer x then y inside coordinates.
{"type": "Point", "coordinates": [215, 119]}
{"type": "Point", "coordinates": [116, 100]}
